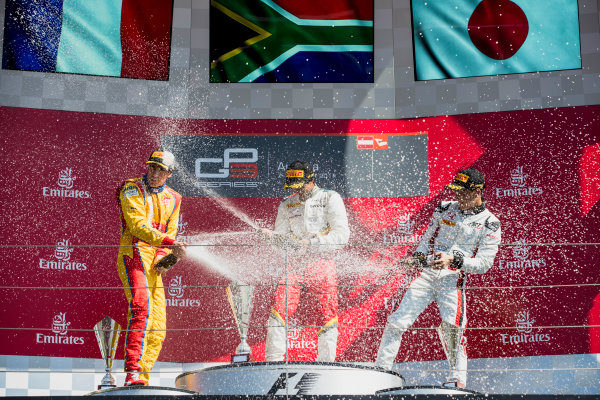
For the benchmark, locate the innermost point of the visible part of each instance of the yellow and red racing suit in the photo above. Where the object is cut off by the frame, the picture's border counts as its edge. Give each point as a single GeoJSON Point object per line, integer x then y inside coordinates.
{"type": "Point", "coordinates": [149, 219]}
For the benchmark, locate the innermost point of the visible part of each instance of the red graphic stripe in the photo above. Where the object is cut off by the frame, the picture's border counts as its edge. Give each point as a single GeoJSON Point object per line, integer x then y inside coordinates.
{"type": "Point", "coordinates": [139, 309]}
{"type": "Point", "coordinates": [146, 38]}
{"type": "Point", "coordinates": [459, 295]}
{"type": "Point", "coordinates": [160, 227]}
{"type": "Point", "coordinates": [330, 9]}
{"type": "Point", "coordinates": [589, 171]}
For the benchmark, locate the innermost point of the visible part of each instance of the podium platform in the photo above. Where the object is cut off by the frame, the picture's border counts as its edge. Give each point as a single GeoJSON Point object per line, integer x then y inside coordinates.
{"type": "Point", "coordinates": [289, 378]}
{"type": "Point", "coordinates": [425, 390]}
{"type": "Point", "coordinates": [155, 391]}
{"type": "Point", "coordinates": [293, 379]}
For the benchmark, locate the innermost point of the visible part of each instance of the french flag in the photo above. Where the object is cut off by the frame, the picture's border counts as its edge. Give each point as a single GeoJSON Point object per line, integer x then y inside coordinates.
{"type": "Point", "coordinates": [122, 38]}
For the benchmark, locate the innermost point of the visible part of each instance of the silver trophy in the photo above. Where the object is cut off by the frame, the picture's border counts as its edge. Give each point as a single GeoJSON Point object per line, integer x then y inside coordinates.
{"type": "Point", "coordinates": [450, 337]}
{"type": "Point", "coordinates": [107, 332]}
{"type": "Point", "coordinates": [239, 295]}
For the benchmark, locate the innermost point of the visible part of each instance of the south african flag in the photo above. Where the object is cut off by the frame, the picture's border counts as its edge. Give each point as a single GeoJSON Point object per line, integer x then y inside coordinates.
{"type": "Point", "coordinates": [291, 41]}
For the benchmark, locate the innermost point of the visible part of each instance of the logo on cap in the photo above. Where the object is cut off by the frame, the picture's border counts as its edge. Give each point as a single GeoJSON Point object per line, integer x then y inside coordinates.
{"type": "Point", "coordinates": [462, 177]}
{"type": "Point", "coordinates": [294, 173]}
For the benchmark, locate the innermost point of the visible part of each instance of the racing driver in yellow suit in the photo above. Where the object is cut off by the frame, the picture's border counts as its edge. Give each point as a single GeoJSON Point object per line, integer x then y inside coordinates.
{"type": "Point", "coordinates": [149, 212]}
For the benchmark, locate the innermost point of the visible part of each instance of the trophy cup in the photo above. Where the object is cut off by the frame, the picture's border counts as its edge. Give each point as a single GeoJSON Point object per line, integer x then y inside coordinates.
{"type": "Point", "coordinates": [240, 297]}
{"type": "Point", "coordinates": [450, 338]}
{"type": "Point", "coordinates": [107, 332]}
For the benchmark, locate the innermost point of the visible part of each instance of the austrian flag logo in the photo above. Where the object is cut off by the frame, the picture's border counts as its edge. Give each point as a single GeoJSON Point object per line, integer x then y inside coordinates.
{"type": "Point", "coordinates": [372, 142]}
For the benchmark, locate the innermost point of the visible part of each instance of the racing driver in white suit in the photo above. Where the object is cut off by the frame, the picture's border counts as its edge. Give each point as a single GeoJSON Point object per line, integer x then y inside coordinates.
{"type": "Point", "coordinates": [462, 237]}
{"type": "Point", "coordinates": [311, 224]}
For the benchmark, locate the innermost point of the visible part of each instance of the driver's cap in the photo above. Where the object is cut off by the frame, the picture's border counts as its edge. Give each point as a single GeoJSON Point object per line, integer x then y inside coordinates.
{"type": "Point", "coordinates": [469, 178]}
{"type": "Point", "coordinates": [165, 159]}
{"type": "Point", "coordinates": [297, 174]}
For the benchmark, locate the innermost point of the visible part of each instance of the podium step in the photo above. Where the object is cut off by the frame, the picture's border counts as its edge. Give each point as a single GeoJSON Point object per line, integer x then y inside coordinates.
{"type": "Point", "coordinates": [289, 378]}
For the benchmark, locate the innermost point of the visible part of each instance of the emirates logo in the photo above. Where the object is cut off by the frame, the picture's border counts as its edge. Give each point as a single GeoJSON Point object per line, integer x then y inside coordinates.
{"type": "Point", "coordinates": [519, 187]}
{"type": "Point", "coordinates": [60, 328]}
{"type": "Point", "coordinates": [405, 225]}
{"type": "Point", "coordinates": [60, 324]}
{"type": "Point", "coordinates": [181, 226]}
{"type": "Point", "coordinates": [521, 250]}
{"type": "Point", "coordinates": [517, 177]}
{"type": "Point", "coordinates": [64, 188]}
{"type": "Point", "coordinates": [524, 323]}
{"type": "Point", "coordinates": [66, 178]}
{"type": "Point", "coordinates": [175, 287]}
{"type": "Point", "coordinates": [526, 332]}
{"type": "Point", "coordinates": [175, 290]}
{"type": "Point", "coordinates": [63, 250]}
{"type": "Point", "coordinates": [293, 329]}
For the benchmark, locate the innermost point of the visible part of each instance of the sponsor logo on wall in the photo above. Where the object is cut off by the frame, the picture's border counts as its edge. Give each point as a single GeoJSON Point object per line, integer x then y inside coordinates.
{"type": "Point", "coordinates": [293, 383]}
{"type": "Point", "coordinates": [62, 259]}
{"type": "Point", "coordinates": [404, 232]}
{"type": "Point", "coordinates": [181, 225]}
{"type": "Point", "coordinates": [60, 330]}
{"type": "Point", "coordinates": [521, 253]}
{"type": "Point", "coordinates": [519, 186]}
{"type": "Point", "coordinates": [175, 294]}
{"type": "Point", "coordinates": [525, 331]}
{"type": "Point", "coordinates": [182, 233]}
{"type": "Point", "coordinates": [254, 165]}
{"type": "Point", "coordinates": [296, 339]}
{"type": "Point", "coordinates": [65, 187]}
{"type": "Point", "coordinates": [372, 142]}
{"type": "Point", "coordinates": [233, 168]}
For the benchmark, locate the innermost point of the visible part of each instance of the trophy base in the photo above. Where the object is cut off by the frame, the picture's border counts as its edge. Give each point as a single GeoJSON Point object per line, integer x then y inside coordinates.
{"type": "Point", "coordinates": [101, 387]}
{"type": "Point", "coordinates": [426, 390]}
{"type": "Point", "coordinates": [142, 391]}
{"type": "Point", "coordinates": [289, 378]}
{"type": "Point", "coordinates": [240, 358]}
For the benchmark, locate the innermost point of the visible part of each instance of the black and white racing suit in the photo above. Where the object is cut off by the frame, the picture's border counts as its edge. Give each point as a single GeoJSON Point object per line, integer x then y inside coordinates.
{"type": "Point", "coordinates": [472, 236]}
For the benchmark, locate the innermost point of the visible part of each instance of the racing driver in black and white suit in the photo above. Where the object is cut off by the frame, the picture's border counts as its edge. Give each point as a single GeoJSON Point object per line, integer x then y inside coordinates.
{"type": "Point", "coordinates": [462, 237]}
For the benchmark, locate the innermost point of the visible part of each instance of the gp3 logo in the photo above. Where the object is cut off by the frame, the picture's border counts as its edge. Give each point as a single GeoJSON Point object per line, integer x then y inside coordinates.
{"type": "Point", "coordinates": [233, 167]}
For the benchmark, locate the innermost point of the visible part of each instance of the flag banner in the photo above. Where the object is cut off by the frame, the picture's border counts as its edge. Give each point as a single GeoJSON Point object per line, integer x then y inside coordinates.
{"type": "Point", "coordinates": [121, 38]}
{"type": "Point", "coordinates": [466, 38]}
{"type": "Point", "coordinates": [291, 41]}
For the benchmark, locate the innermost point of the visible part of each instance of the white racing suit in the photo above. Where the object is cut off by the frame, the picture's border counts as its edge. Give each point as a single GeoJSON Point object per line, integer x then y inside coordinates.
{"type": "Point", "coordinates": [322, 219]}
{"type": "Point", "coordinates": [472, 236]}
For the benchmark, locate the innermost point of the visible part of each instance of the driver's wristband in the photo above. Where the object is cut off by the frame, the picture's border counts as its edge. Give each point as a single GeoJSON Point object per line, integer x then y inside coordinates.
{"type": "Point", "coordinates": [459, 260]}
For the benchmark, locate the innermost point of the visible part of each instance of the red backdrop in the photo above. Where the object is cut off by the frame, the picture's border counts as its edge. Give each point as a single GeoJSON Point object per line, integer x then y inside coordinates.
{"type": "Point", "coordinates": [541, 297]}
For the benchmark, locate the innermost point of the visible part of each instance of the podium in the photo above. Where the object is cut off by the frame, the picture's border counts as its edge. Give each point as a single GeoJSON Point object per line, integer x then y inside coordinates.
{"type": "Point", "coordinates": [289, 378]}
